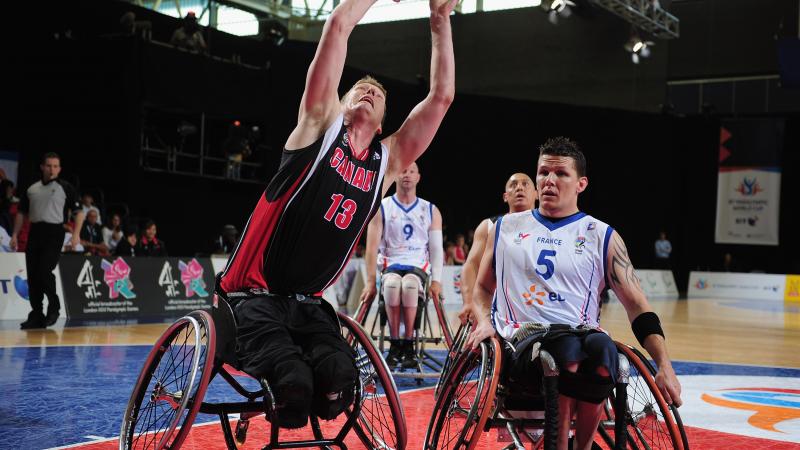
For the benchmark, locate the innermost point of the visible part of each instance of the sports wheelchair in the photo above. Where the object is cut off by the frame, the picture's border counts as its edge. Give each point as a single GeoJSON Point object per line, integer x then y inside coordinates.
{"type": "Point", "coordinates": [171, 386]}
{"type": "Point", "coordinates": [426, 335]}
{"type": "Point", "coordinates": [473, 397]}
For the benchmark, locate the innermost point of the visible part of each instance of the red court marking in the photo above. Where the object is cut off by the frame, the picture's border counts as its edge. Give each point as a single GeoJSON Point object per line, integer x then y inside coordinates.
{"type": "Point", "coordinates": [418, 408]}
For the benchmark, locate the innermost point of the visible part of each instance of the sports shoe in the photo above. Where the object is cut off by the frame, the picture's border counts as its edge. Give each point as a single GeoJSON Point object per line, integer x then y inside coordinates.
{"type": "Point", "coordinates": [395, 352]}
{"type": "Point", "coordinates": [51, 318]}
{"type": "Point", "coordinates": [292, 404]}
{"type": "Point", "coordinates": [409, 358]}
{"type": "Point", "coordinates": [35, 320]}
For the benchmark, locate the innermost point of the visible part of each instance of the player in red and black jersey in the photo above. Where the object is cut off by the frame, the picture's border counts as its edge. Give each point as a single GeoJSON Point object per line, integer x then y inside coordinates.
{"type": "Point", "coordinates": [332, 176]}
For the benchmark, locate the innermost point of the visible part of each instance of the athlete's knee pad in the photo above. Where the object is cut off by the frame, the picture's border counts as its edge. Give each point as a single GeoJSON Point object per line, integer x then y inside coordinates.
{"type": "Point", "coordinates": [392, 284]}
{"type": "Point", "coordinates": [334, 381]}
{"type": "Point", "coordinates": [411, 290]}
{"type": "Point", "coordinates": [586, 387]}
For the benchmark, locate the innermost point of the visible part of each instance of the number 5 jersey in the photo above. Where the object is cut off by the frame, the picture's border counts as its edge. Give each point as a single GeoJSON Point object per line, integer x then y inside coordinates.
{"type": "Point", "coordinates": [306, 224]}
{"type": "Point", "coordinates": [548, 271]}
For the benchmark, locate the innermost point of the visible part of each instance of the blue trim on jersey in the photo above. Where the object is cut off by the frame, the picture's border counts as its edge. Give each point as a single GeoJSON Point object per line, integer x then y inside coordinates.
{"type": "Point", "coordinates": [400, 267]}
{"type": "Point", "coordinates": [496, 238]}
{"type": "Point", "coordinates": [383, 219]}
{"type": "Point", "coordinates": [431, 211]}
{"type": "Point", "coordinates": [585, 309]}
{"type": "Point", "coordinates": [558, 223]}
{"type": "Point", "coordinates": [609, 230]}
{"type": "Point", "coordinates": [400, 205]}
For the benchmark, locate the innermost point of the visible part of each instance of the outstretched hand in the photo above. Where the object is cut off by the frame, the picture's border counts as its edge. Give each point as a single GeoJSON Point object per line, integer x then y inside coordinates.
{"type": "Point", "coordinates": [443, 7]}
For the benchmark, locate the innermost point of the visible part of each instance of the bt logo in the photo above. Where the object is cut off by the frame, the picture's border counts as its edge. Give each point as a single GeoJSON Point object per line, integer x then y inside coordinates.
{"type": "Point", "coordinates": [20, 286]}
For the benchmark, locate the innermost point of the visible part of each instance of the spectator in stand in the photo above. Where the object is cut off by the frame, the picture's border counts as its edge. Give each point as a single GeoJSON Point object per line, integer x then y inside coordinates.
{"type": "Point", "coordinates": [127, 245]}
{"type": "Point", "coordinates": [149, 245]}
{"type": "Point", "coordinates": [188, 36]}
{"type": "Point", "coordinates": [87, 204]}
{"type": "Point", "coordinates": [461, 250]}
{"type": "Point", "coordinates": [449, 251]}
{"type": "Point", "coordinates": [663, 250]}
{"type": "Point", "coordinates": [6, 197]}
{"type": "Point", "coordinates": [226, 242]}
{"type": "Point", "coordinates": [112, 233]}
{"type": "Point", "coordinates": [92, 235]}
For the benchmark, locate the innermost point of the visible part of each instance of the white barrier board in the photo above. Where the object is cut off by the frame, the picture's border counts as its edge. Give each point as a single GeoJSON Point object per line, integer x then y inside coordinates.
{"type": "Point", "coordinates": [14, 291]}
{"type": "Point", "coordinates": [750, 286]}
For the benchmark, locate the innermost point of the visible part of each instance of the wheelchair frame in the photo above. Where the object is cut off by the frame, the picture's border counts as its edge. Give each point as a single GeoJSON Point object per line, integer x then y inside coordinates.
{"type": "Point", "coordinates": [423, 333]}
{"type": "Point", "coordinates": [486, 404]}
{"type": "Point", "coordinates": [208, 349]}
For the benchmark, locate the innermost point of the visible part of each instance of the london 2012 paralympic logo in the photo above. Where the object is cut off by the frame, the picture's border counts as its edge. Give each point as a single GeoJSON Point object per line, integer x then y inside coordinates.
{"type": "Point", "coordinates": [192, 278]}
{"type": "Point", "coordinates": [117, 278]}
{"type": "Point", "coordinates": [771, 405]}
{"type": "Point", "coordinates": [748, 187]}
{"type": "Point", "coordinates": [701, 284]}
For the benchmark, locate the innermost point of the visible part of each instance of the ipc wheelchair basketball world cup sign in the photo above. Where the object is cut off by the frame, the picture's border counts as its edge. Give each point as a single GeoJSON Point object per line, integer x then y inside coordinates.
{"type": "Point", "coordinates": [129, 288]}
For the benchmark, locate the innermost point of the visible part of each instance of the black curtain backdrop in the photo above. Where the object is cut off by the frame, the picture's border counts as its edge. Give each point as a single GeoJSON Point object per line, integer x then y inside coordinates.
{"type": "Point", "coordinates": [84, 97]}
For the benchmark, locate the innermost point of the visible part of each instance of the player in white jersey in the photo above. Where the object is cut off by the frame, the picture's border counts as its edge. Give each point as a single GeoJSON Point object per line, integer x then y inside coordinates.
{"type": "Point", "coordinates": [520, 194]}
{"type": "Point", "coordinates": [408, 232]}
{"type": "Point", "coordinates": [548, 267]}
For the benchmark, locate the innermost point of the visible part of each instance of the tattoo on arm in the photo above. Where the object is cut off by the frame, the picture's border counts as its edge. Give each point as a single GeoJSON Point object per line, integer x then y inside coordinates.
{"type": "Point", "coordinates": [622, 273]}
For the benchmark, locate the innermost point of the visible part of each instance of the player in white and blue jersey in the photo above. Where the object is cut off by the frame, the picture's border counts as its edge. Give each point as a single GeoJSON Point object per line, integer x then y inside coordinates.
{"type": "Point", "coordinates": [546, 268]}
{"type": "Point", "coordinates": [408, 233]}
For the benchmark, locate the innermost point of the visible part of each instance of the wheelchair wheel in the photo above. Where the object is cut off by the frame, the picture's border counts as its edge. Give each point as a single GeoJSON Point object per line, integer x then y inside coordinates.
{"type": "Point", "coordinates": [452, 353]}
{"type": "Point", "coordinates": [651, 423]}
{"type": "Point", "coordinates": [171, 385]}
{"type": "Point", "coordinates": [466, 400]}
{"type": "Point", "coordinates": [381, 423]}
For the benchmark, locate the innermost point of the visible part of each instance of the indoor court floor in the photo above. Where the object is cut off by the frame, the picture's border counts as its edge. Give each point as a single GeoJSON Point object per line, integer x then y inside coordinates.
{"type": "Point", "coordinates": [738, 362]}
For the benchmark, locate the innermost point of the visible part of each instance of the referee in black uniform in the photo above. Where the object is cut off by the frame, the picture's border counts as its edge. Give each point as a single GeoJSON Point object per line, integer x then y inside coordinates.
{"type": "Point", "coordinates": [48, 203]}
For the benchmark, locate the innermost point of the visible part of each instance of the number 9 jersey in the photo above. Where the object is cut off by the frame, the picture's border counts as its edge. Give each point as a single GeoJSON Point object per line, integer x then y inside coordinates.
{"type": "Point", "coordinates": [405, 233]}
{"type": "Point", "coordinates": [306, 224]}
{"type": "Point", "coordinates": [548, 271]}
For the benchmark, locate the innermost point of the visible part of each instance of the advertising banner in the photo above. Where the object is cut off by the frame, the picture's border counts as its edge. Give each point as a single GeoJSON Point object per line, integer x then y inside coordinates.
{"type": "Point", "coordinates": [14, 292]}
{"type": "Point", "coordinates": [792, 292]}
{"type": "Point", "coordinates": [655, 284]}
{"type": "Point", "coordinates": [748, 286]}
{"type": "Point", "coordinates": [749, 182]}
{"type": "Point", "coordinates": [121, 288]}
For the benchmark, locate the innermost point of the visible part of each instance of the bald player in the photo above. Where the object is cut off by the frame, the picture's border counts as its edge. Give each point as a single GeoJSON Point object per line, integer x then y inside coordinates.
{"type": "Point", "coordinates": [520, 194]}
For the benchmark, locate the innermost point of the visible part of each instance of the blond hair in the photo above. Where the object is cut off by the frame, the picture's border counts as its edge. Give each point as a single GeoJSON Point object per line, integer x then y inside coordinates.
{"type": "Point", "coordinates": [369, 79]}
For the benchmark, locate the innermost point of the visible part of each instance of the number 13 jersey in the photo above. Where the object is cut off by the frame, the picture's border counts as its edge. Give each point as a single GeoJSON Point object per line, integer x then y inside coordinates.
{"type": "Point", "coordinates": [306, 224]}
{"type": "Point", "coordinates": [548, 271]}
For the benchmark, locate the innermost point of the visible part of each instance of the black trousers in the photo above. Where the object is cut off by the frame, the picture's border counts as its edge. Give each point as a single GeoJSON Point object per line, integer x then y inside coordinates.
{"type": "Point", "coordinates": [291, 343]}
{"type": "Point", "coordinates": [41, 257]}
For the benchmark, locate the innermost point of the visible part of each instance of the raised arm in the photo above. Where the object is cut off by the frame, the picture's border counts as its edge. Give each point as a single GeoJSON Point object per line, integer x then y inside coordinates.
{"type": "Point", "coordinates": [470, 270]}
{"type": "Point", "coordinates": [623, 281]}
{"type": "Point", "coordinates": [374, 233]}
{"type": "Point", "coordinates": [485, 284]}
{"type": "Point", "coordinates": [320, 101]}
{"type": "Point", "coordinates": [416, 133]}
